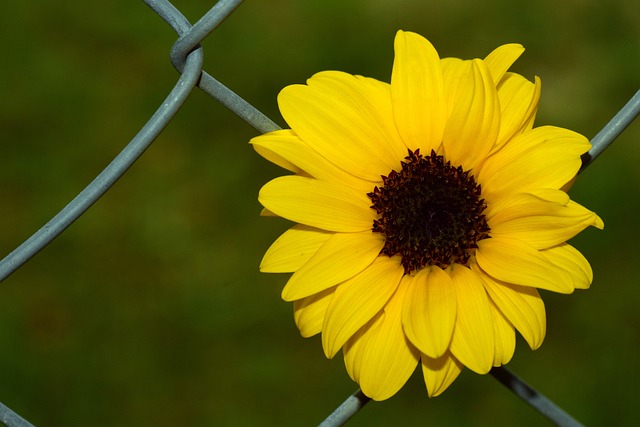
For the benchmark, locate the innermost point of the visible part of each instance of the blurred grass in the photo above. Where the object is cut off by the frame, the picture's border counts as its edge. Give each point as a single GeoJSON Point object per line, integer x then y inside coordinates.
{"type": "Point", "coordinates": [150, 309]}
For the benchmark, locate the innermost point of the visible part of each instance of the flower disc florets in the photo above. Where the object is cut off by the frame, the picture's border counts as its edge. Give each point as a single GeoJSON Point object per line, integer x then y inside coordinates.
{"type": "Point", "coordinates": [430, 212]}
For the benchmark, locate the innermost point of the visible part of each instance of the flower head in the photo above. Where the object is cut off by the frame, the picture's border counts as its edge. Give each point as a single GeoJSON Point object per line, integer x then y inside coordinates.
{"type": "Point", "coordinates": [428, 212]}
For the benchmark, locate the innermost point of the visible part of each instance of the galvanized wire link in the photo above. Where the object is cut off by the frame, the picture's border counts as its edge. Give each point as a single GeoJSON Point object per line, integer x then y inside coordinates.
{"type": "Point", "coordinates": [239, 106]}
{"type": "Point", "coordinates": [191, 69]}
{"type": "Point", "coordinates": [190, 66]}
{"type": "Point", "coordinates": [111, 173]}
{"type": "Point", "coordinates": [346, 410]}
{"type": "Point", "coordinates": [534, 398]}
{"type": "Point", "coordinates": [612, 130]}
{"type": "Point", "coordinates": [11, 419]}
{"type": "Point", "coordinates": [189, 39]}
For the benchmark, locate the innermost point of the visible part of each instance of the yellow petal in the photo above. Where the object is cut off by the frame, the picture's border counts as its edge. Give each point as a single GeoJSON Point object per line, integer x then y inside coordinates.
{"type": "Point", "coordinates": [319, 204]}
{"type": "Point", "coordinates": [514, 261]}
{"type": "Point", "coordinates": [544, 157]}
{"type": "Point", "coordinates": [521, 305]}
{"type": "Point", "coordinates": [292, 249]}
{"type": "Point", "coordinates": [539, 220]}
{"type": "Point", "coordinates": [266, 212]}
{"type": "Point", "coordinates": [347, 120]}
{"type": "Point", "coordinates": [473, 342]}
{"type": "Point", "coordinates": [474, 123]}
{"type": "Point", "coordinates": [260, 144]}
{"type": "Point", "coordinates": [429, 312]}
{"type": "Point", "coordinates": [285, 148]}
{"type": "Point", "coordinates": [455, 74]}
{"type": "Point", "coordinates": [505, 336]}
{"type": "Point", "coordinates": [571, 260]}
{"type": "Point", "coordinates": [440, 373]}
{"type": "Point", "coordinates": [499, 61]}
{"type": "Point", "coordinates": [357, 300]}
{"type": "Point", "coordinates": [518, 106]}
{"type": "Point", "coordinates": [416, 92]}
{"type": "Point", "coordinates": [517, 205]}
{"type": "Point", "coordinates": [379, 357]}
{"type": "Point", "coordinates": [354, 356]}
{"type": "Point", "coordinates": [309, 312]}
{"type": "Point", "coordinates": [341, 257]}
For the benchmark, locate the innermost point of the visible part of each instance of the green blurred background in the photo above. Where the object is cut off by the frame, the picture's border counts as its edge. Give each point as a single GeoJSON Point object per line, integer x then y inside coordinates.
{"type": "Point", "coordinates": [150, 310]}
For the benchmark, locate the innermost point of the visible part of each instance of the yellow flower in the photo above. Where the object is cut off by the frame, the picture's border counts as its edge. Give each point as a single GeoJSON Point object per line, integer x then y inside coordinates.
{"type": "Point", "coordinates": [428, 211]}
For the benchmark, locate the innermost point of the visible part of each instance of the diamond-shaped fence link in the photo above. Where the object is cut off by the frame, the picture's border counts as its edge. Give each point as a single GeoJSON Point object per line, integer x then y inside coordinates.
{"type": "Point", "coordinates": [186, 56]}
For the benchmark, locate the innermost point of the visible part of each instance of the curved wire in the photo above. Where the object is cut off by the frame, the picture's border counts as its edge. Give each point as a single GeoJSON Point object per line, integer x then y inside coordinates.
{"type": "Point", "coordinates": [189, 40]}
{"type": "Point", "coordinates": [87, 197]}
{"type": "Point", "coordinates": [191, 69]}
{"type": "Point", "coordinates": [212, 87]}
{"type": "Point", "coordinates": [190, 62]}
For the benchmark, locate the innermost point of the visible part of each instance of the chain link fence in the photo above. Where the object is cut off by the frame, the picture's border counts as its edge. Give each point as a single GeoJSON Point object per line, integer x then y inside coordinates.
{"type": "Point", "coordinates": [187, 57]}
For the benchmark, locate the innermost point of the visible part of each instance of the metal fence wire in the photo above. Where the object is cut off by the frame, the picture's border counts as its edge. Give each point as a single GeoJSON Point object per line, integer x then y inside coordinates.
{"type": "Point", "coordinates": [187, 57]}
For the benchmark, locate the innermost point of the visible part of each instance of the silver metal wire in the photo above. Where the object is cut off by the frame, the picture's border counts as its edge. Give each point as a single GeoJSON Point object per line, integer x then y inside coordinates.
{"type": "Point", "coordinates": [187, 57]}
{"type": "Point", "coordinates": [11, 419]}
{"type": "Point", "coordinates": [537, 400]}
{"type": "Point", "coordinates": [346, 410]}
{"type": "Point", "coordinates": [111, 173]}
{"type": "Point", "coordinates": [612, 130]}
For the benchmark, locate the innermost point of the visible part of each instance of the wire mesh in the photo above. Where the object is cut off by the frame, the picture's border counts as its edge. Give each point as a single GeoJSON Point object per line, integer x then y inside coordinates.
{"type": "Point", "coordinates": [187, 57]}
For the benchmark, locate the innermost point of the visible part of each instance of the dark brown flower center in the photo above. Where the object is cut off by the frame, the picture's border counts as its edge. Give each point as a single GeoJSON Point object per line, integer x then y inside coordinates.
{"type": "Point", "coordinates": [430, 212]}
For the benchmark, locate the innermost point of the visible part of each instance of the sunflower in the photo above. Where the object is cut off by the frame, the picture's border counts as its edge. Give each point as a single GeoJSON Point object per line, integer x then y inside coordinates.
{"type": "Point", "coordinates": [428, 213]}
